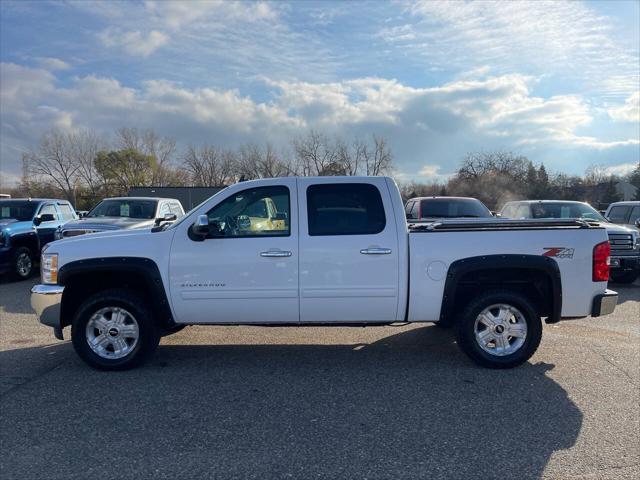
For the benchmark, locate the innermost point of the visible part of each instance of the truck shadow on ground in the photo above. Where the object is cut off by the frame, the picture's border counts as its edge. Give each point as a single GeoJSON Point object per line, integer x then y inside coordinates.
{"type": "Point", "coordinates": [408, 406]}
{"type": "Point", "coordinates": [626, 292]}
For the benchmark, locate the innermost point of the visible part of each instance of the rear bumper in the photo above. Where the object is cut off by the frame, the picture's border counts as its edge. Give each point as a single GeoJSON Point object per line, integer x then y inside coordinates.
{"type": "Point", "coordinates": [46, 301]}
{"type": "Point", "coordinates": [604, 304]}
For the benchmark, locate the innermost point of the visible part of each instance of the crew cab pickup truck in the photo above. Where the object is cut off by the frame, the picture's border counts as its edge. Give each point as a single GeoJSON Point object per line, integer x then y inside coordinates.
{"type": "Point", "coordinates": [336, 251]}
{"type": "Point", "coordinates": [26, 225]}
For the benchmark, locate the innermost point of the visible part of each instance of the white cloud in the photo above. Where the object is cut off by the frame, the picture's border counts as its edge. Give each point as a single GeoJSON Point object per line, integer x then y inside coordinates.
{"type": "Point", "coordinates": [178, 14]}
{"type": "Point", "coordinates": [52, 63]}
{"type": "Point", "coordinates": [134, 42]}
{"type": "Point", "coordinates": [567, 39]}
{"type": "Point", "coordinates": [629, 112]}
{"type": "Point", "coordinates": [429, 129]}
{"type": "Point", "coordinates": [621, 170]}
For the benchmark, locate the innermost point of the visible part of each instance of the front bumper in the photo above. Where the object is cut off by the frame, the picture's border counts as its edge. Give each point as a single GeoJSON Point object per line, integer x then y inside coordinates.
{"type": "Point", "coordinates": [46, 301]}
{"type": "Point", "coordinates": [604, 304]}
{"type": "Point", "coordinates": [625, 263]}
{"type": "Point", "coordinates": [6, 259]}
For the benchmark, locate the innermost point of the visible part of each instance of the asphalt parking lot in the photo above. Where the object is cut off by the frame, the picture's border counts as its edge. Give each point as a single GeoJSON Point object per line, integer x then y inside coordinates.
{"type": "Point", "coordinates": [384, 402]}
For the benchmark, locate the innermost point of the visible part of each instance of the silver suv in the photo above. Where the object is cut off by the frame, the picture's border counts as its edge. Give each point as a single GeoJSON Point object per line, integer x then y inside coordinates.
{"type": "Point", "coordinates": [625, 242]}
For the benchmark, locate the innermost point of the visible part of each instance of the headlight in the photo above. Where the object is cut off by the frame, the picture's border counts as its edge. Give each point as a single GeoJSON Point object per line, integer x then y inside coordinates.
{"type": "Point", "coordinates": [49, 268]}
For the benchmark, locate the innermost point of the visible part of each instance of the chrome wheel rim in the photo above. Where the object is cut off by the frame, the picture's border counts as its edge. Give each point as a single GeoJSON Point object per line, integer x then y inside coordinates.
{"type": "Point", "coordinates": [500, 329]}
{"type": "Point", "coordinates": [112, 333]}
{"type": "Point", "coordinates": [24, 264]}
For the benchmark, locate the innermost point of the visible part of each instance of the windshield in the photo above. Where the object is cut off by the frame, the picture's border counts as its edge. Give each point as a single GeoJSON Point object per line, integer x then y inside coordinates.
{"type": "Point", "coordinates": [453, 208]}
{"type": "Point", "coordinates": [565, 210]}
{"type": "Point", "coordinates": [17, 210]}
{"type": "Point", "coordinates": [143, 209]}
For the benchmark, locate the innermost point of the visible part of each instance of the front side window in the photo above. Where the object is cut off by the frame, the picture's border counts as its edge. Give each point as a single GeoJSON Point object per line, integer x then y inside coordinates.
{"type": "Point", "coordinates": [256, 212]}
{"type": "Point", "coordinates": [142, 209]}
{"type": "Point", "coordinates": [345, 209]}
{"type": "Point", "coordinates": [49, 209]}
{"type": "Point", "coordinates": [635, 215]}
{"type": "Point", "coordinates": [619, 214]}
{"type": "Point", "coordinates": [164, 210]}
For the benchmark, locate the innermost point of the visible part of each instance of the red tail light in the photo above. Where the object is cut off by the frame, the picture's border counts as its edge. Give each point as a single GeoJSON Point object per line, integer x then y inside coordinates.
{"type": "Point", "coordinates": [601, 253]}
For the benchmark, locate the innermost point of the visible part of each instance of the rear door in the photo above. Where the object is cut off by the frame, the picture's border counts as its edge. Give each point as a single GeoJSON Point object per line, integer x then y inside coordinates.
{"type": "Point", "coordinates": [348, 251]}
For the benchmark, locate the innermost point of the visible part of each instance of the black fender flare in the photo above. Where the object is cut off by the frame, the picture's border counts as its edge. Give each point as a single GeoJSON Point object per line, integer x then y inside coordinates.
{"type": "Point", "coordinates": [26, 239]}
{"type": "Point", "coordinates": [144, 267]}
{"type": "Point", "coordinates": [461, 267]}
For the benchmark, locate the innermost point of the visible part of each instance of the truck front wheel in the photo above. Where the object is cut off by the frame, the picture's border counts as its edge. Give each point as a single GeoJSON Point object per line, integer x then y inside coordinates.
{"type": "Point", "coordinates": [114, 330]}
{"type": "Point", "coordinates": [23, 263]}
{"type": "Point", "coordinates": [499, 329]}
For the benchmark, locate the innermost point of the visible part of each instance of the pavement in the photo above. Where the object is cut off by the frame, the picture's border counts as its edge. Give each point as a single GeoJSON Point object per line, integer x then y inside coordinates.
{"type": "Point", "coordinates": [339, 403]}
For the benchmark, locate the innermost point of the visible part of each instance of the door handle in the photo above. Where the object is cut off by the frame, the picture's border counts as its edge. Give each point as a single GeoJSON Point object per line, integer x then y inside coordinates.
{"type": "Point", "coordinates": [275, 253]}
{"type": "Point", "coordinates": [375, 251]}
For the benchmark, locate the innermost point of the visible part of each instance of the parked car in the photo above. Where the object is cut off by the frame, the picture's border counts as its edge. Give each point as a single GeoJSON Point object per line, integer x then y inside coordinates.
{"type": "Point", "coordinates": [434, 208]}
{"type": "Point", "coordinates": [624, 213]}
{"type": "Point", "coordinates": [625, 242]}
{"type": "Point", "coordinates": [26, 225]}
{"type": "Point", "coordinates": [337, 252]}
{"type": "Point", "coordinates": [124, 213]}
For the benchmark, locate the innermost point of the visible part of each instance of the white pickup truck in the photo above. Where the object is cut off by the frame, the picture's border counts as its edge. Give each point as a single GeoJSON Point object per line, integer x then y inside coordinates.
{"type": "Point", "coordinates": [322, 251]}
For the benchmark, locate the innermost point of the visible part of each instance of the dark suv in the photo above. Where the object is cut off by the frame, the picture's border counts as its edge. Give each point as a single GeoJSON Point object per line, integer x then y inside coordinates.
{"type": "Point", "coordinates": [434, 208]}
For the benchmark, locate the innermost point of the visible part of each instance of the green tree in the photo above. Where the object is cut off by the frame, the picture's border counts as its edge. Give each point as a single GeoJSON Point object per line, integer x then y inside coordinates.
{"type": "Point", "coordinates": [127, 168]}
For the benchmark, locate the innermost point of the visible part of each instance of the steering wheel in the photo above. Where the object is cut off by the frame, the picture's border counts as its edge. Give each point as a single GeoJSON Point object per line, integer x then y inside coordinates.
{"type": "Point", "coordinates": [230, 226]}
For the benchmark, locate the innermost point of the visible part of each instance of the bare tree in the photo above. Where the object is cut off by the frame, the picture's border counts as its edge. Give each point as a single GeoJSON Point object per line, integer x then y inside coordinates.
{"type": "Point", "coordinates": [209, 166]}
{"type": "Point", "coordinates": [55, 161]}
{"type": "Point", "coordinates": [380, 160]}
{"type": "Point", "coordinates": [314, 153]}
{"type": "Point", "coordinates": [255, 162]}
{"type": "Point", "coordinates": [84, 148]}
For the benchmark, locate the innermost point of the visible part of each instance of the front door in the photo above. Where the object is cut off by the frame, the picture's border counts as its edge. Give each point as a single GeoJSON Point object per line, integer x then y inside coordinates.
{"type": "Point", "coordinates": [47, 230]}
{"type": "Point", "coordinates": [349, 251]}
{"type": "Point", "coordinates": [246, 270]}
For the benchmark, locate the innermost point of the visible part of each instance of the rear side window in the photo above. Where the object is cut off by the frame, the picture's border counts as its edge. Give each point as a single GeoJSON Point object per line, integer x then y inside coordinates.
{"type": "Point", "coordinates": [176, 208]}
{"type": "Point", "coordinates": [344, 209]}
{"type": "Point", "coordinates": [66, 211]}
{"type": "Point", "coordinates": [619, 214]}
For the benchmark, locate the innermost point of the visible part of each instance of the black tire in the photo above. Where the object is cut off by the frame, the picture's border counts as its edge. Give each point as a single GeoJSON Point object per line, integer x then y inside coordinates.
{"type": "Point", "coordinates": [465, 330]}
{"type": "Point", "coordinates": [625, 277]}
{"type": "Point", "coordinates": [18, 267]}
{"type": "Point", "coordinates": [443, 325]}
{"type": "Point", "coordinates": [149, 333]}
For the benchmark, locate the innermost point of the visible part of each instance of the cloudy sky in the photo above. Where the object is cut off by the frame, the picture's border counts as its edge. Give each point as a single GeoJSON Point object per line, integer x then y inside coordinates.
{"type": "Point", "coordinates": [558, 82]}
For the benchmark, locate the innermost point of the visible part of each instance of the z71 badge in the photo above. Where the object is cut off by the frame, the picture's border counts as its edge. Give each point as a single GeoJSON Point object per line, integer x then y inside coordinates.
{"type": "Point", "coordinates": [558, 252]}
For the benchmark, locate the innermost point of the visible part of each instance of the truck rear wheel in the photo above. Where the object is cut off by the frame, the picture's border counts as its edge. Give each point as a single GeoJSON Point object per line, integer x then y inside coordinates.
{"type": "Point", "coordinates": [114, 330]}
{"type": "Point", "coordinates": [499, 330]}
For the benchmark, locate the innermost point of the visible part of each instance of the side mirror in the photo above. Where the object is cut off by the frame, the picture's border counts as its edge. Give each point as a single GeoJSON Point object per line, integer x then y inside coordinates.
{"type": "Point", "coordinates": [408, 215]}
{"type": "Point", "coordinates": [201, 229]}
{"type": "Point", "coordinates": [496, 214]}
{"type": "Point", "coordinates": [45, 217]}
{"type": "Point", "coordinates": [638, 223]}
{"type": "Point", "coordinates": [168, 217]}
{"type": "Point", "coordinates": [280, 216]}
